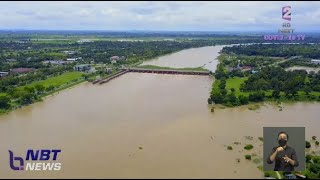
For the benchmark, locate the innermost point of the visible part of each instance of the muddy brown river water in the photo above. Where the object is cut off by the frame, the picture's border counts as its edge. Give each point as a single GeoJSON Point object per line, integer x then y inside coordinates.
{"type": "Point", "coordinates": [143, 126]}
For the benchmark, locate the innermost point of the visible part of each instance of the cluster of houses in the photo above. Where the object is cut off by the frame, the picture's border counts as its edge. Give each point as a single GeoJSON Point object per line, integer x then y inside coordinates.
{"type": "Point", "coordinates": [62, 62]}
{"type": "Point", "coordinates": [114, 59]}
{"type": "Point", "coordinates": [84, 68]}
{"type": "Point", "coordinates": [81, 67]}
{"type": "Point", "coordinates": [242, 68]}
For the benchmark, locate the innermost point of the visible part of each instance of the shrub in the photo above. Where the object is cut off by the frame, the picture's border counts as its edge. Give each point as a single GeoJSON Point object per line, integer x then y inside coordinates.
{"type": "Point", "coordinates": [257, 96]}
{"type": "Point", "coordinates": [308, 157]}
{"type": "Point", "coordinates": [276, 94]}
{"type": "Point", "coordinates": [256, 160]}
{"type": "Point", "coordinates": [308, 145]}
{"type": "Point", "coordinates": [317, 143]}
{"type": "Point", "coordinates": [316, 159]}
{"type": "Point", "coordinates": [229, 148]}
{"type": "Point", "coordinates": [243, 99]}
{"type": "Point", "coordinates": [248, 157]}
{"type": "Point", "coordinates": [266, 174]}
{"type": "Point", "coordinates": [209, 101]}
{"type": "Point", "coordinates": [315, 168]}
{"type": "Point", "coordinates": [314, 138]}
{"type": "Point", "coordinates": [260, 138]}
{"type": "Point", "coordinates": [248, 146]}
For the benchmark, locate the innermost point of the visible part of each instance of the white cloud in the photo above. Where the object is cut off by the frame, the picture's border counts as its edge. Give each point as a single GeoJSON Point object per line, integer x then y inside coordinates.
{"type": "Point", "coordinates": [154, 15]}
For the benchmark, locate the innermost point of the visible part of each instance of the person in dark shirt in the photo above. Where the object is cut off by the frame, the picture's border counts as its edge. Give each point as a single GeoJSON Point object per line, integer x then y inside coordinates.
{"type": "Point", "coordinates": [285, 157]}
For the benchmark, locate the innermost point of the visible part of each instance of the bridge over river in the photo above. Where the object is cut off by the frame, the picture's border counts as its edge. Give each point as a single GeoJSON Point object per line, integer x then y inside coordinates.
{"type": "Point", "coordinates": [157, 71]}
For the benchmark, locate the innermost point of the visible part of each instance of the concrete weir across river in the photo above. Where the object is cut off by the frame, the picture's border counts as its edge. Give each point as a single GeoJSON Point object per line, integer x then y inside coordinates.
{"type": "Point", "coordinates": [143, 125]}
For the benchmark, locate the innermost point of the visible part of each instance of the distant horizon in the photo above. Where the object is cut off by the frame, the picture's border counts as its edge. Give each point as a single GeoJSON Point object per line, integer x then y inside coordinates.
{"type": "Point", "coordinates": [152, 31]}
{"type": "Point", "coordinates": [191, 16]}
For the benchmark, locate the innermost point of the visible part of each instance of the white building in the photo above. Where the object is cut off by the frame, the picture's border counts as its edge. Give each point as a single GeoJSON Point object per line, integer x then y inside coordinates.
{"type": "Point", "coordinates": [69, 52]}
{"type": "Point", "coordinates": [92, 70]}
{"type": "Point", "coordinates": [117, 58]}
{"type": "Point", "coordinates": [55, 62]}
{"type": "Point", "coordinates": [2, 74]}
{"type": "Point", "coordinates": [84, 40]}
{"type": "Point", "coordinates": [315, 61]}
{"type": "Point", "coordinates": [82, 67]}
{"type": "Point", "coordinates": [71, 59]}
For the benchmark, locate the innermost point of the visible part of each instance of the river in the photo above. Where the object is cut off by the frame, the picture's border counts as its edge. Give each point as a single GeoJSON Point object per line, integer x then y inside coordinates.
{"type": "Point", "coordinates": [195, 57]}
{"type": "Point", "coordinates": [144, 126]}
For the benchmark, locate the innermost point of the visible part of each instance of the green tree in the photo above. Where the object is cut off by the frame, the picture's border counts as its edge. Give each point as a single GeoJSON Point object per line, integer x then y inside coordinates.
{"type": "Point", "coordinates": [26, 97]}
{"type": "Point", "coordinates": [40, 88]}
{"type": "Point", "coordinates": [223, 92]}
{"type": "Point", "coordinates": [12, 92]}
{"type": "Point", "coordinates": [30, 89]}
{"type": "Point", "coordinates": [276, 94]}
{"type": "Point", "coordinates": [50, 88]}
{"type": "Point", "coordinates": [4, 102]}
{"type": "Point", "coordinates": [308, 157]}
{"type": "Point", "coordinates": [232, 98]}
{"type": "Point", "coordinates": [307, 89]}
{"type": "Point", "coordinates": [222, 84]}
{"type": "Point", "coordinates": [243, 99]}
{"type": "Point", "coordinates": [257, 96]}
{"type": "Point", "coordinates": [217, 98]}
{"type": "Point", "coordinates": [315, 168]}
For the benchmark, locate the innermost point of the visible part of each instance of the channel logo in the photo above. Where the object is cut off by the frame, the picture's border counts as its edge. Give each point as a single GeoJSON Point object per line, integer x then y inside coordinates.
{"type": "Point", "coordinates": [28, 164]}
{"type": "Point", "coordinates": [286, 13]}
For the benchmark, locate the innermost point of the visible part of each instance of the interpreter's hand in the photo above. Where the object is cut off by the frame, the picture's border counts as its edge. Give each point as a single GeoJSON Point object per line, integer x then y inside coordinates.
{"type": "Point", "coordinates": [279, 149]}
{"type": "Point", "coordinates": [286, 158]}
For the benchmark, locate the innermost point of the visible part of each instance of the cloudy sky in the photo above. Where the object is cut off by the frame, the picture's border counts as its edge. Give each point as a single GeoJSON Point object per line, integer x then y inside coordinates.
{"type": "Point", "coordinates": [157, 15]}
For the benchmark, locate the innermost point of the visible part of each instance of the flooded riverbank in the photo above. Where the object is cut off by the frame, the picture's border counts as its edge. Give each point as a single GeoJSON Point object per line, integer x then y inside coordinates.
{"type": "Point", "coordinates": [100, 130]}
{"type": "Point", "coordinates": [144, 126]}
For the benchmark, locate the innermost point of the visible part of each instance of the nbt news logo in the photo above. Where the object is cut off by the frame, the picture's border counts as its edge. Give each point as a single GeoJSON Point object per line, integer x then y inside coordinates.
{"type": "Point", "coordinates": [28, 164]}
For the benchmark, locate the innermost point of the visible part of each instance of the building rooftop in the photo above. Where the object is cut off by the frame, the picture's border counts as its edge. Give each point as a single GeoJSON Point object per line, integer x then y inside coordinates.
{"type": "Point", "coordinates": [21, 70]}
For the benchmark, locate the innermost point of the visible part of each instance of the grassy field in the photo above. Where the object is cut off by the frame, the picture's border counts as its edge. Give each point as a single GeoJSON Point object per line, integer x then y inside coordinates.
{"type": "Point", "coordinates": [235, 83]}
{"type": "Point", "coordinates": [232, 83]}
{"type": "Point", "coordinates": [57, 80]}
{"type": "Point", "coordinates": [63, 87]}
{"type": "Point", "coordinates": [60, 82]}
{"type": "Point", "coordinates": [168, 68]}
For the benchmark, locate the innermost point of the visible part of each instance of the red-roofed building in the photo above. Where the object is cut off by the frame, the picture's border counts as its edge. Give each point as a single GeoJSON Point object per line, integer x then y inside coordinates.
{"type": "Point", "coordinates": [21, 70]}
{"type": "Point", "coordinates": [246, 68]}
